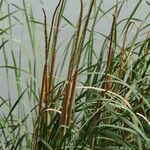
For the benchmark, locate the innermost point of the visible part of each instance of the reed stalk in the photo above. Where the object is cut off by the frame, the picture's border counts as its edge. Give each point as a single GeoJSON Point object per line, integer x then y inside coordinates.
{"type": "Point", "coordinates": [73, 69]}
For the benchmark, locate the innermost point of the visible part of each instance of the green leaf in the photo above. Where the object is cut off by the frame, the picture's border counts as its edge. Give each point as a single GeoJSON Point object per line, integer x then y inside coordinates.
{"type": "Point", "coordinates": [46, 144]}
{"type": "Point", "coordinates": [16, 103]}
{"type": "Point", "coordinates": [4, 17]}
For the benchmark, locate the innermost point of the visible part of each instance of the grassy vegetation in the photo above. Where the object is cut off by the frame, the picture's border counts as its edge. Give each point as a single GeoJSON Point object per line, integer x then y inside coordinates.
{"type": "Point", "coordinates": [92, 93]}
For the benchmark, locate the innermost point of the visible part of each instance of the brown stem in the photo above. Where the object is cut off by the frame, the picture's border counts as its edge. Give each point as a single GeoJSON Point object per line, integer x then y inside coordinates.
{"type": "Point", "coordinates": [107, 84]}
{"type": "Point", "coordinates": [51, 75]}
{"type": "Point", "coordinates": [64, 115]}
{"type": "Point", "coordinates": [71, 98]}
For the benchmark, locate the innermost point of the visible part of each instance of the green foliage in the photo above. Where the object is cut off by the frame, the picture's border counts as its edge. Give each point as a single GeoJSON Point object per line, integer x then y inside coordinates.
{"type": "Point", "coordinates": [91, 91]}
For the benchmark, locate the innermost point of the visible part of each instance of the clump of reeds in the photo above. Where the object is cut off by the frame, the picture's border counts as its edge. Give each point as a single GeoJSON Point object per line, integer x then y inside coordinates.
{"type": "Point", "coordinates": [73, 71]}
{"type": "Point", "coordinates": [102, 103]}
{"type": "Point", "coordinates": [45, 99]}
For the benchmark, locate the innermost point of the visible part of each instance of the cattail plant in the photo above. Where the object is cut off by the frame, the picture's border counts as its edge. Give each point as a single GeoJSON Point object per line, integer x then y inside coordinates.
{"type": "Point", "coordinates": [101, 103]}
